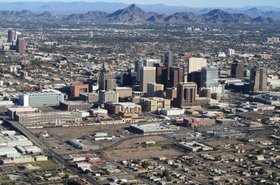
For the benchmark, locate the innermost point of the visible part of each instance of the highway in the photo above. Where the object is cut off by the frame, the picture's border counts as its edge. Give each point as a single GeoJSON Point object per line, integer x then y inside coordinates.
{"type": "Point", "coordinates": [44, 147]}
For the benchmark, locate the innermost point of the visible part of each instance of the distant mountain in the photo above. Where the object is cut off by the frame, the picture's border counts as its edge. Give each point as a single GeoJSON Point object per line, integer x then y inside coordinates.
{"type": "Point", "coordinates": [131, 14]}
{"type": "Point", "coordinates": [134, 14]}
{"type": "Point", "coordinates": [220, 16]}
{"type": "Point", "coordinates": [92, 16]}
{"type": "Point", "coordinates": [183, 17]}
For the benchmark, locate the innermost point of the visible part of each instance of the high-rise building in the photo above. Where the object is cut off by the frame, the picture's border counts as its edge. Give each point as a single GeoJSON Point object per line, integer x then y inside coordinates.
{"type": "Point", "coordinates": [195, 77]}
{"type": "Point", "coordinates": [186, 95]}
{"type": "Point", "coordinates": [150, 62]}
{"type": "Point", "coordinates": [237, 70]}
{"type": "Point", "coordinates": [20, 46]}
{"type": "Point", "coordinates": [77, 88]}
{"type": "Point", "coordinates": [108, 96]}
{"type": "Point", "coordinates": [147, 75]}
{"type": "Point", "coordinates": [195, 64]}
{"type": "Point", "coordinates": [11, 36]}
{"type": "Point", "coordinates": [161, 74]}
{"type": "Point", "coordinates": [138, 64]}
{"type": "Point", "coordinates": [176, 76]}
{"type": "Point", "coordinates": [168, 59]}
{"type": "Point", "coordinates": [209, 76]}
{"type": "Point", "coordinates": [155, 90]}
{"type": "Point", "coordinates": [171, 93]}
{"type": "Point", "coordinates": [107, 80]}
{"type": "Point", "coordinates": [258, 79]}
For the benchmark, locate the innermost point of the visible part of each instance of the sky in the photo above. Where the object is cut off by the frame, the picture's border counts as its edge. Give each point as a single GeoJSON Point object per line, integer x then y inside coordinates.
{"type": "Point", "coordinates": [189, 3]}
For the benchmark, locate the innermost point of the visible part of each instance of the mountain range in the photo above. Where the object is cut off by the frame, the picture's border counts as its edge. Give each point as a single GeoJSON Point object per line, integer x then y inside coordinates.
{"type": "Point", "coordinates": [134, 14]}
{"type": "Point", "coordinates": [67, 8]}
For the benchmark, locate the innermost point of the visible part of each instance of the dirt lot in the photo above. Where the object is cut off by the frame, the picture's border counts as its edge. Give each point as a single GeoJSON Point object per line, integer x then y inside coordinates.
{"type": "Point", "coordinates": [140, 153]}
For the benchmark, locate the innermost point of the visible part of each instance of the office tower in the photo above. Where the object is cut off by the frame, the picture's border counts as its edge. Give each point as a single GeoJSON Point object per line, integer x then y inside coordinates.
{"type": "Point", "coordinates": [147, 74]}
{"type": "Point", "coordinates": [129, 78]}
{"type": "Point", "coordinates": [168, 59]}
{"type": "Point", "coordinates": [138, 64]}
{"type": "Point", "coordinates": [107, 80]}
{"type": "Point", "coordinates": [108, 96]}
{"type": "Point", "coordinates": [186, 95]}
{"type": "Point", "coordinates": [171, 93]}
{"type": "Point", "coordinates": [149, 62]}
{"type": "Point", "coordinates": [237, 70]}
{"type": "Point", "coordinates": [258, 79]}
{"type": "Point", "coordinates": [195, 77]}
{"type": "Point", "coordinates": [176, 76]}
{"type": "Point", "coordinates": [161, 74]}
{"type": "Point", "coordinates": [11, 36]}
{"type": "Point", "coordinates": [77, 88]}
{"type": "Point", "coordinates": [195, 64]}
{"type": "Point", "coordinates": [155, 90]}
{"type": "Point", "coordinates": [209, 76]}
{"type": "Point", "coordinates": [20, 46]}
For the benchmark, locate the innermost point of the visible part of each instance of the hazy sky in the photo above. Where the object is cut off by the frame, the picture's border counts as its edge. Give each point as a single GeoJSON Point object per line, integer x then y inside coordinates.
{"type": "Point", "coordinates": [190, 3]}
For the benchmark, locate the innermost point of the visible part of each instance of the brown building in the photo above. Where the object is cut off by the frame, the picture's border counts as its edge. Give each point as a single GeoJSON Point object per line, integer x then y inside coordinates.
{"type": "Point", "coordinates": [89, 97]}
{"type": "Point", "coordinates": [20, 46]}
{"type": "Point", "coordinates": [205, 92]}
{"type": "Point", "coordinates": [127, 109]}
{"type": "Point", "coordinates": [198, 122]}
{"type": "Point", "coordinates": [237, 70]}
{"type": "Point", "coordinates": [77, 88]}
{"type": "Point", "coordinates": [171, 93]}
{"type": "Point", "coordinates": [161, 74]}
{"type": "Point", "coordinates": [258, 79]}
{"type": "Point", "coordinates": [155, 90]}
{"type": "Point", "coordinates": [154, 104]}
{"type": "Point", "coordinates": [176, 76]}
{"type": "Point", "coordinates": [186, 95]}
{"type": "Point", "coordinates": [124, 92]}
{"type": "Point", "coordinates": [11, 36]}
{"type": "Point", "coordinates": [74, 105]}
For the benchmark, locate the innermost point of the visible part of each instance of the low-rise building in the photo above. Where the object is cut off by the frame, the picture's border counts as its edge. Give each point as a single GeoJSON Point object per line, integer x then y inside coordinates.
{"type": "Point", "coordinates": [154, 104]}
{"type": "Point", "coordinates": [74, 105]}
{"type": "Point", "coordinates": [57, 118]}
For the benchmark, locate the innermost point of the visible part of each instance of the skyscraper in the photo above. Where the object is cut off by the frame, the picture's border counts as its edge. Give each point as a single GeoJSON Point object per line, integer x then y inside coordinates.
{"type": "Point", "coordinates": [107, 80]}
{"type": "Point", "coordinates": [258, 79]}
{"type": "Point", "coordinates": [176, 76]}
{"type": "Point", "coordinates": [237, 70]}
{"type": "Point", "coordinates": [186, 95]}
{"type": "Point", "coordinates": [195, 64]}
{"type": "Point", "coordinates": [155, 90]}
{"type": "Point", "coordinates": [138, 64]}
{"type": "Point", "coordinates": [147, 74]}
{"type": "Point", "coordinates": [168, 59]}
{"type": "Point", "coordinates": [20, 47]}
{"type": "Point", "coordinates": [11, 36]}
{"type": "Point", "coordinates": [209, 76]}
{"type": "Point", "coordinates": [161, 74]}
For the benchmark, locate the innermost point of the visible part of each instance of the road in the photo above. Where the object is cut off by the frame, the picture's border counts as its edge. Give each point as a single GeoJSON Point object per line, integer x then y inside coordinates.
{"type": "Point", "coordinates": [44, 147]}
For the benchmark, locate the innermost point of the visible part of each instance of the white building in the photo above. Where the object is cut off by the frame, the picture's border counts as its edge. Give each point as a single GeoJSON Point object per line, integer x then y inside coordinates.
{"type": "Point", "coordinates": [195, 64]}
{"type": "Point", "coordinates": [172, 112]}
{"type": "Point", "coordinates": [48, 97]}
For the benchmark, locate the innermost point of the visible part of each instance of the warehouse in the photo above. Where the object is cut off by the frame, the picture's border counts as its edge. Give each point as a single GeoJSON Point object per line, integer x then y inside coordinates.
{"type": "Point", "coordinates": [153, 129]}
{"type": "Point", "coordinates": [4, 151]}
{"type": "Point", "coordinates": [76, 144]}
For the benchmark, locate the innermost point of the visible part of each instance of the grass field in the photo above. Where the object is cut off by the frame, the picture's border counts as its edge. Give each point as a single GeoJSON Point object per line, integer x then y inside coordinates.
{"type": "Point", "coordinates": [46, 165]}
